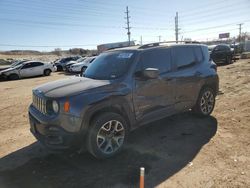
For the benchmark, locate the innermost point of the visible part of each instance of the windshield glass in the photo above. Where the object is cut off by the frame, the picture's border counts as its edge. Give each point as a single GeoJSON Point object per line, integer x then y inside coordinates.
{"type": "Point", "coordinates": [110, 65]}
{"type": "Point", "coordinates": [18, 66]}
{"type": "Point", "coordinates": [210, 48]}
{"type": "Point", "coordinates": [80, 59]}
{"type": "Point", "coordinates": [16, 63]}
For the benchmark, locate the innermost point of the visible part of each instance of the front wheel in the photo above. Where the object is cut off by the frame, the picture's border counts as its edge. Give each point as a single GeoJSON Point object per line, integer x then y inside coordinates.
{"type": "Point", "coordinates": [106, 135]}
{"type": "Point", "coordinates": [47, 72]}
{"type": "Point", "coordinates": [205, 103]}
{"type": "Point", "coordinates": [13, 77]}
{"type": "Point", "coordinates": [228, 60]}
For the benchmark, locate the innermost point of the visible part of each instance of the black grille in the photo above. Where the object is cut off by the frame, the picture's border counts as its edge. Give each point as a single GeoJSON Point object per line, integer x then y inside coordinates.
{"type": "Point", "coordinates": [39, 103]}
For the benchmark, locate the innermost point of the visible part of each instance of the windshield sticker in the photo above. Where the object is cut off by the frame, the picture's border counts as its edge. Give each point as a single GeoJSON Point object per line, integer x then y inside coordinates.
{"type": "Point", "coordinates": [125, 55]}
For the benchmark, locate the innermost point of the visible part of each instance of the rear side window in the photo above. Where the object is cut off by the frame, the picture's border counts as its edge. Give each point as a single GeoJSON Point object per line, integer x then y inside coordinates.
{"type": "Point", "coordinates": [184, 56]}
{"type": "Point", "coordinates": [36, 64]}
{"type": "Point", "coordinates": [198, 54]}
{"type": "Point", "coordinates": [157, 58]}
{"type": "Point", "coordinates": [26, 66]}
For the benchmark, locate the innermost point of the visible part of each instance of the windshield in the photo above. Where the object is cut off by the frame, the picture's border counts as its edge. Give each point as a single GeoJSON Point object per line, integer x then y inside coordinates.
{"type": "Point", "coordinates": [80, 59]}
{"type": "Point", "coordinates": [110, 65]}
{"type": "Point", "coordinates": [16, 63]}
{"type": "Point", "coordinates": [18, 66]}
{"type": "Point", "coordinates": [210, 48]}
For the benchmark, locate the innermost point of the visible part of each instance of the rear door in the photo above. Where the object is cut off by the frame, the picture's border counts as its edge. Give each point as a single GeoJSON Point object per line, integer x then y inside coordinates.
{"type": "Point", "coordinates": [187, 60]}
{"type": "Point", "coordinates": [154, 98]}
{"type": "Point", "coordinates": [38, 68]}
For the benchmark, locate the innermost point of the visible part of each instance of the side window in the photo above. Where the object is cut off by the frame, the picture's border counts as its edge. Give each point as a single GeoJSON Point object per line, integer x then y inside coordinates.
{"type": "Point", "coordinates": [36, 64]}
{"type": "Point", "coordinates": [26, 66]}
{"type": "Point", "coordinates": [226, 49]}
{"type": "Point", "coordinates": [184, 57]}
{"type": "Point", "coordinates": [198, 54]}
{"type": "Point", "coordinates": [157, 58]}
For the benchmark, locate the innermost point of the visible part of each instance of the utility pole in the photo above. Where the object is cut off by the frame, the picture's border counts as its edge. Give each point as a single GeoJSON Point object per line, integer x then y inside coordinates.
{"type": "Point", "coordinates": [141, 40]}
{"type": "Point", "coordinates": [240, 31]}
{"type": "Point", "coordinates": [176, 27]}
{"type": "Point", "coordinates": [159, 38]}
{"type": "Point", "coordinates": [128, 26]}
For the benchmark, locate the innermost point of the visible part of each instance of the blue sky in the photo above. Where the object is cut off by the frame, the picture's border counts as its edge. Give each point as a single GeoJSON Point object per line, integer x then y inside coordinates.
{"type": "Point", "coordinates": [47, 24]}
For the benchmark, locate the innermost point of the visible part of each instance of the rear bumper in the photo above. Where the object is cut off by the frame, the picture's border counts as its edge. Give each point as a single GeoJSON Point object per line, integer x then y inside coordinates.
{"type": "Point", "coordinates": [53, 136]}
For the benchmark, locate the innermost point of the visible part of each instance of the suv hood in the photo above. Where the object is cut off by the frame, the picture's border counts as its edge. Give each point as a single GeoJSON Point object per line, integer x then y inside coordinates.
{"type": "Point", "coordinates": [70, 86]}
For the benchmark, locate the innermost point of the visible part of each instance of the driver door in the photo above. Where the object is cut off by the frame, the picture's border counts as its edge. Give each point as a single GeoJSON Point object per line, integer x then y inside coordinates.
{"type": "Point", "coordinates": [154, 98]}
{"type": "Point", "coordinates": [27, 70]}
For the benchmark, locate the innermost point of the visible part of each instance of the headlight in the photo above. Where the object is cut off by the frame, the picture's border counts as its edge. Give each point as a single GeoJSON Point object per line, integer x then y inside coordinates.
{"type": "Point", "coordinates": [55, 106]}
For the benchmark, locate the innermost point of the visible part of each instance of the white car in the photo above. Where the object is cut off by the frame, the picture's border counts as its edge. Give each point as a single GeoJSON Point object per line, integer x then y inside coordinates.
{"type": "Point", "coordinates": [28, 69]}
{"type": "Point", "coordinates": [67, 66]}
{"type": "Point", "coordinates": [82, 66]}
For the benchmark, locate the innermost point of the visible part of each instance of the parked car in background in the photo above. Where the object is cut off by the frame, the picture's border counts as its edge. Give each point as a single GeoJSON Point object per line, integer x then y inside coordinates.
{"type": "Point", "coordinates": [81, 66]}
{"type": "Point", "coordinates": [28, 69]}
{"type": "Point", "coordinates": [67, 66]}
{"type": "Point", "coordinates": [221, 53]}
{"type": "Point", "coordinates": [122, 90]}
{"type": "Point", "coordinates": [63, 61]}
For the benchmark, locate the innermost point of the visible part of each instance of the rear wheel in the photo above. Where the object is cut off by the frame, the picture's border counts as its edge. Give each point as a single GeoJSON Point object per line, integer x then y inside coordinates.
{"type": "Point", "coordinates": [47, 72]}
{"type": "Point", "coordinates": [228, 60]}
{"type": "Point", "coordinates": [106, 135]}
{"type": "Point", "coordinates": [13, 77]}
{"type": "Point", "coordinates": [205, 103]}
{"type": "Point", "coordinates": [59, 68]}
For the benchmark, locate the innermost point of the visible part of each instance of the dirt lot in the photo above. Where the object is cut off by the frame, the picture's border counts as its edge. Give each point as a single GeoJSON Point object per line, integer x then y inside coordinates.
{"type": "Point", "coordinates": [180, 151]}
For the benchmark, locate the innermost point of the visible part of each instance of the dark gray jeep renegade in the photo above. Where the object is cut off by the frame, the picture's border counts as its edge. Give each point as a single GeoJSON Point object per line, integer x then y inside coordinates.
{"type": "Point", "coordinates": [121, 90]}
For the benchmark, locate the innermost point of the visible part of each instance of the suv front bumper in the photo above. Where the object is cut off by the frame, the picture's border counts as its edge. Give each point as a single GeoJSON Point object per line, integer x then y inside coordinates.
{"type": "Point", "coordinates": [53, 136]}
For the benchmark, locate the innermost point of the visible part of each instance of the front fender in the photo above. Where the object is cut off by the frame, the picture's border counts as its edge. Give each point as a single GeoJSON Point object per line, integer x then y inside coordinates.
{"type": "Point", "coordinates": [118, 103]}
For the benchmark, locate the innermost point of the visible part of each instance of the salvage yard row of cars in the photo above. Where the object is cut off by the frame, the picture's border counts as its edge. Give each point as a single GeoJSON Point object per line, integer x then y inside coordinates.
{"type": "Point", "coordinates": [27, 68]}
{"type": "Point", "coordinates": [220, 53]}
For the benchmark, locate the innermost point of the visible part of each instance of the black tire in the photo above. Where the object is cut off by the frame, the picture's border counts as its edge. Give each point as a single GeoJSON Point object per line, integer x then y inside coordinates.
{"type": "Point", "coordinates": [205, 102]}
{"type": "Point", "coordinates": [59, 68]}
{"type": "Point", "coordinates": [106, 137]}
{"type": "Point", "coordinates": [228, 60]}
{"type": "Point", "coordinates": [83, 69]}
{"type": "Point", "coordinates": [47, 72]}
{"type": "Point", "coordinates": [13, 77]}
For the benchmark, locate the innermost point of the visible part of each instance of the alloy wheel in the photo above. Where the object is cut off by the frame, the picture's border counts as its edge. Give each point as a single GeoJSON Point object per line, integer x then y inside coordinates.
{"type": "Point", "coordinates": [207, 102]}
{"type": "Point", "coordinates": [110, 136]}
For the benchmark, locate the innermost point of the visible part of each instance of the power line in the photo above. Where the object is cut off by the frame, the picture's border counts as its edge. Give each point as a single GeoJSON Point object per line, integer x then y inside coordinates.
{"type": "Point", "coordinates": [218, 26]}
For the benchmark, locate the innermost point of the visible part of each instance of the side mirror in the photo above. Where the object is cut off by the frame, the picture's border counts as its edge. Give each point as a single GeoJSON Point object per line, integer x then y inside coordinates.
{"type": "Point", "coordinates": [148, 73]}
{"type": "Point", "coordinates": [151, 73]}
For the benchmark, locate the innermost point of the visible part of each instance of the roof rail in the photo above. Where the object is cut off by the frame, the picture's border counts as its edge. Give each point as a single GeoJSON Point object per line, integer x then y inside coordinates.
{"type": "Point", "coordinates": [166, 42]}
